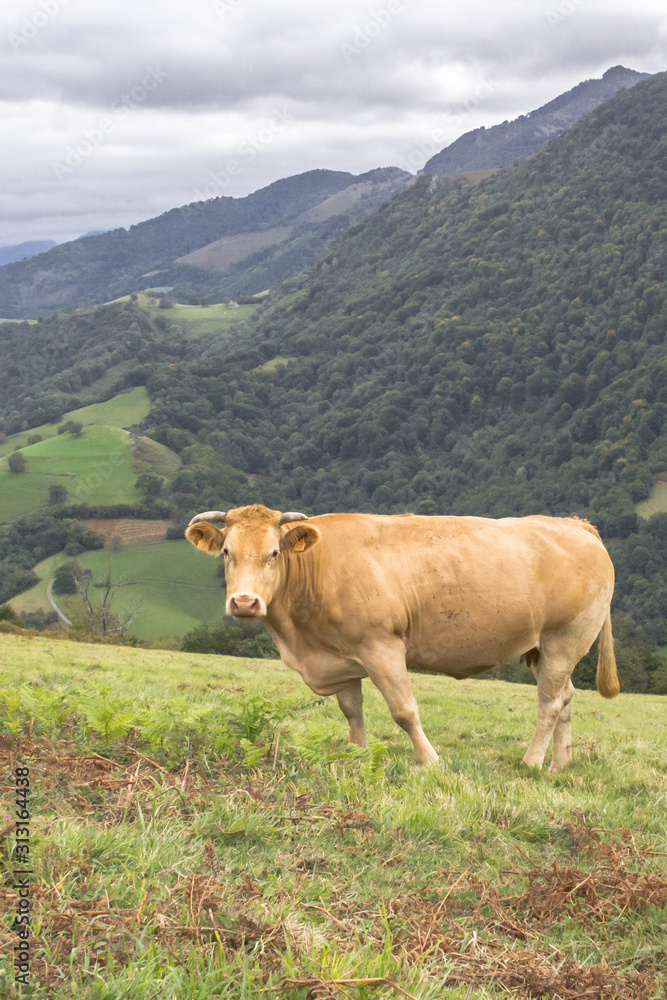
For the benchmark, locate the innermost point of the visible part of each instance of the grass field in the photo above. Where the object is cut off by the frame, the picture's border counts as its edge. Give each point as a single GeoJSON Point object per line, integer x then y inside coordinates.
{"type": "Point", "coordinates": [196, 320]}
{"type": "Point", "coordinates": [95, 468]}
{"type": "Point", "coordinates": [656, 502]}
{"type": "Point", "coordinates": [124, 410]}
{"type": "Point", "coordinates": [201, 828]}
{"type": "Point", "coordinates": [170, 588]}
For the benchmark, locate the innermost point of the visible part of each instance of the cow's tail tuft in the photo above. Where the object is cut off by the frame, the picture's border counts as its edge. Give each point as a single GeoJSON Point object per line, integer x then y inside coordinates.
{"type": "Point", "coordinates": [606, 677]}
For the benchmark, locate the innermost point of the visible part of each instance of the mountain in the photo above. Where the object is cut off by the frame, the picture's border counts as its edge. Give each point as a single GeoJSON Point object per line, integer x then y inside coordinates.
{"type": "Point", "coordinates": [503, 145]}
{"type": "Point", "coordinates": [20, 251]}
{"type": "Point", "coordinates": [494, 347]}
{"type": "Point", "coordinates": [217, 248]}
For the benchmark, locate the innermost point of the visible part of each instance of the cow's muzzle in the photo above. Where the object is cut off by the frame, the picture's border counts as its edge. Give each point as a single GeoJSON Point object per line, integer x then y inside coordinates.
{"type": "Point", "coordinates": [246, 606]}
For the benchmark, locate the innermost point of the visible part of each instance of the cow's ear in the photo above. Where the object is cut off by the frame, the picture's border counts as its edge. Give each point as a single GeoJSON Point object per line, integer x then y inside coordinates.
{"type": "Point", "coordinates": [206, 537]}
{"type": "Point", "coordinates": [299, 537]}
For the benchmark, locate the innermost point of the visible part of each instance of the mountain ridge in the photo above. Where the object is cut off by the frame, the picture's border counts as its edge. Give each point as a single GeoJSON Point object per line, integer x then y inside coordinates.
{"type": "Point", "coordinates": [103, 267]}
{"type": "Point", "coordinates": [502, 145]}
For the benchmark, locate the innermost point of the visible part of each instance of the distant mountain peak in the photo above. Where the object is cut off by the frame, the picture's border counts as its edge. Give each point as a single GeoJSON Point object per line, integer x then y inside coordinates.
{"type": "Point", "coordinates": [502, 145]}
{"type": "Point", "coordinates": [22, 251]}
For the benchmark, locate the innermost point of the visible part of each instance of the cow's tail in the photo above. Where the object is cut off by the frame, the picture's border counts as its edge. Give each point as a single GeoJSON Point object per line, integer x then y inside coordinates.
{"type": "Point", "coordinates": [606, 677]}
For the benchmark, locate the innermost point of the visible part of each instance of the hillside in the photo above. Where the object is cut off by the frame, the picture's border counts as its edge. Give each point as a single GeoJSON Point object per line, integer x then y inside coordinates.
{"type": "Point", "coordinates": [213, 810]}
{"type": "Point", "coordinates": [88, 355]}
{"type": "Point", "coordinates": [167, 589]}
{"type": "Point", "coordinates": [485, 348]}
{"type": "Point", "coordinates": [260, 239]}
{"type": "Point", "coordinates": [503, 145]}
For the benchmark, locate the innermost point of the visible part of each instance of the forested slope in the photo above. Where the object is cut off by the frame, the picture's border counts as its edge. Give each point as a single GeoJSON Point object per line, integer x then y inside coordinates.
{"type": "Point", "coordinates": [491, 348]}
{"type": "Point", "coordinates": [505, 144]}
{"type": "Point", "coordinates": [102, 267]}
{"type": "Point", "coordinates": [47, 368]}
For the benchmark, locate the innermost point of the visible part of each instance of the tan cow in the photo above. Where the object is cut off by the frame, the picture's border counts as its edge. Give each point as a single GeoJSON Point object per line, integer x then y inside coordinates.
{"type": "Point", "coordinates": [348, 596]}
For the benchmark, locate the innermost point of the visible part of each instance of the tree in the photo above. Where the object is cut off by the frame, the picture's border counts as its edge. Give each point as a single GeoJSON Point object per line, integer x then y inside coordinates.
{"type": "Point", "coordinates": [149, 485]}
{"type": "Point", "coordinates": [71, 427]}
{"type": "Point", "coordinates": [57, 495]}
{"type": "Point", "coordinates": [7, 614]}
{"type": "Point", "coordinates": [16, 462]}
{"type": "Point", "coordinates": [103, 616]}
{"type": "Point", "coordinates": [64, 578]}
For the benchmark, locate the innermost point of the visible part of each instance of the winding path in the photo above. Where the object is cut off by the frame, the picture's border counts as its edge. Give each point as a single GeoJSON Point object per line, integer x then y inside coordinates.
{"type": "Point", "coordinates": [54, 605]}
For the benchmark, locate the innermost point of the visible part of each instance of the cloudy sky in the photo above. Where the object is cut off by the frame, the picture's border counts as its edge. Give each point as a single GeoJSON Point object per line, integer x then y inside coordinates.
{"type": "Point", "coordinates": [114, 112]}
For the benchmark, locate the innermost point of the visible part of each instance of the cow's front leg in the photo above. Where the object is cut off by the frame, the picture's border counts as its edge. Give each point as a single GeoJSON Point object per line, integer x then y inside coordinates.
{"type": "Point", "coordinates": [389, 673]}
{"type": "Point", "coordinates": [351, 704]}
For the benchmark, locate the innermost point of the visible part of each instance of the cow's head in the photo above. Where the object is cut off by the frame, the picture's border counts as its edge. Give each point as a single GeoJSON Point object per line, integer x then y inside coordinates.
{"type": "Point", "coordinates": [254, 542]}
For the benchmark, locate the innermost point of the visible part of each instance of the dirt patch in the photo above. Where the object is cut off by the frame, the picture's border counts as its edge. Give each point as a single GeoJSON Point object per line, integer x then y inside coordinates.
{"type": "Point", "coordinates": [132, 531]}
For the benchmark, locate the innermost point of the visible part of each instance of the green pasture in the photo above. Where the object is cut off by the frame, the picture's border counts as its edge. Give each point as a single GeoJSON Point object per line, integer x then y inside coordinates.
{"type": "Point", "coordinates": [170, 586]}
{"type": "Point", "coordinates": [124, 410]}
{"type": "Point", "coordinates": [95, 468]}
{"type": "Point", "coordinates": [196, 320]}
{"type": "Point", "coordinates": [200, 827]}
{"type": "Point", "coordinates": [35, 599]}
{"type": "Point", "coordinates": [656, 502]}
{"type": "Point", "coordinates": [273, 363]}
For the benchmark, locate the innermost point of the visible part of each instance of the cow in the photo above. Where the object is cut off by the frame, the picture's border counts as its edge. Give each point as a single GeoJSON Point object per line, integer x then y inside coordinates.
{"type": "Point", "coordinates": [348, 596]}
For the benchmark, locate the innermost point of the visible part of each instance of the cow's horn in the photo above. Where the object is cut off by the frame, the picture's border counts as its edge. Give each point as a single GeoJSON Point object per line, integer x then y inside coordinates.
{"type": "Point", "coordinates": [210, 515]}
{"type": "Point", "coordinates": [292, 515]}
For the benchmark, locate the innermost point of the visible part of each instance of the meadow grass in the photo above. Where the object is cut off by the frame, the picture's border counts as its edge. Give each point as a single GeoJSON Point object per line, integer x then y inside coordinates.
{"type": "Point", "coordinates": [195, 320]}
{"type": "Point", "coordinates": [124, 410]}
{"type": "Point", "coordinates": [656, 503]}
{"type": "Point", "coordinates": [95, 468]}
{"type": "Point", "coordinates": [202, 828]}
{"type": "Point", "coordinates": [169, 589]}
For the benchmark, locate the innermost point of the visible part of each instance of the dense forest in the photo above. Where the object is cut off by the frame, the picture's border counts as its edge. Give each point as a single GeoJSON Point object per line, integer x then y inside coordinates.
{"type": "Point", "coordinates": [486, 348]}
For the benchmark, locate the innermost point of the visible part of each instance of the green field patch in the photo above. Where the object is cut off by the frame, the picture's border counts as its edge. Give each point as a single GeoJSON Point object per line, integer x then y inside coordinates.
{"type": "Point", "coordinates": [656, 503]}
{"type": "Point", "coordinates": [277, 362]}
{"type": "Point", "coordinates": [95, 468]}
{"type": "Point", "coordinates": [152, 457]}
{"type": "Point", "coordinates": [35, 599]}
{"type": "Point", "coordinates": [168, 586]}
{"type": "Point", "coordinates": [124, 410]}
{"type": "Point", "coordinates": [197, 320]}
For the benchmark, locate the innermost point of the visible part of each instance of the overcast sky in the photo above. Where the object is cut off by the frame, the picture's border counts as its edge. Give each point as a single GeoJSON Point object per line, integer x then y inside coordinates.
{"type": "Point", "coordinates": [114, 112]}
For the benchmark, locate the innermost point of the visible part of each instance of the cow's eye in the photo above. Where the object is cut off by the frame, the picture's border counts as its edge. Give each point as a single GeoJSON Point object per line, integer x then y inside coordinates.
{"type": "Point", "coordinates": [225, 552]}
{"type": "Point", "coordinates": [274, 554]}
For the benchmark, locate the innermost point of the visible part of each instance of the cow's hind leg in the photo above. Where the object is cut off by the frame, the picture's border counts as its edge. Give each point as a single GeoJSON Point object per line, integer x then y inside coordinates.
{"type": "Point", "coordinates": [389, 673]}
{"type": "Point", "coordinates": [552, 671]}
{"type": "Point", "coordinates": [561, 754]}
{"type": "Point", "coordinates": [351, 704]}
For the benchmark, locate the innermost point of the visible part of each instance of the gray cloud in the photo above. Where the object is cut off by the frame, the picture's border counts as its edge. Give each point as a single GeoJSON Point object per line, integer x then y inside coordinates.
{"type": "Point", "coordinates": [142, 105]}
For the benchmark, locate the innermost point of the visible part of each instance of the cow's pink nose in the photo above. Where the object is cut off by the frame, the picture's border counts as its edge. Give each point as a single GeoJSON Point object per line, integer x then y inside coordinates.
{"type": "Point", "coordinates": [244, 605]}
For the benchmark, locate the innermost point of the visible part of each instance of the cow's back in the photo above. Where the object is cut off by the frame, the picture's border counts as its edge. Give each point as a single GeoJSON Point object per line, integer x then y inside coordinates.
{"type": "Point", "coordinates": [463, 593]}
